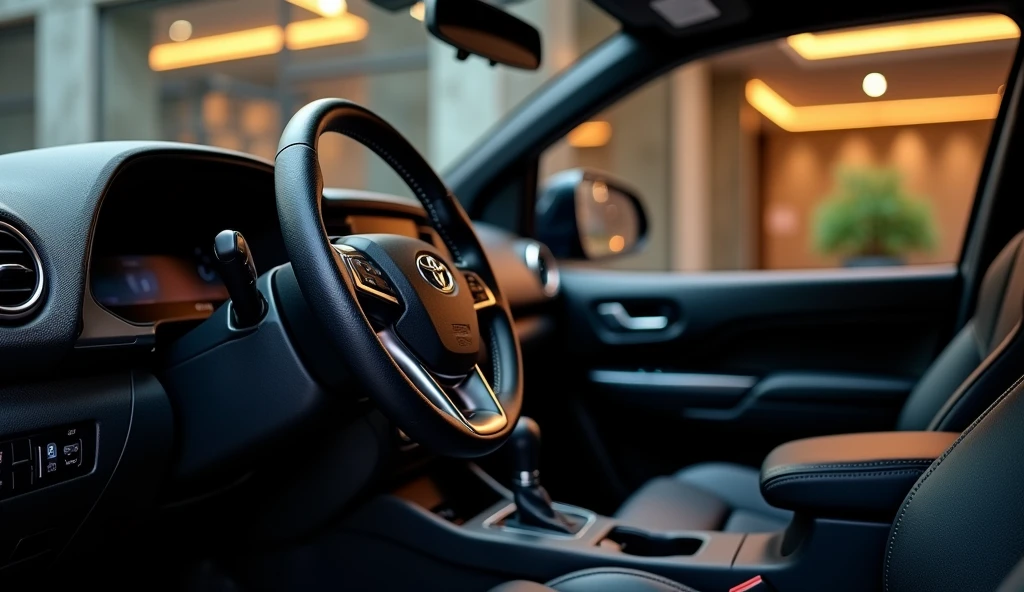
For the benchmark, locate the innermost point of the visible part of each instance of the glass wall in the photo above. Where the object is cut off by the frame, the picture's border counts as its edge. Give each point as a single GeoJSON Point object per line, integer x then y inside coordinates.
{"type": "Point", "coordinates": [837, 149]}
{"type": "Point", "coordinates": [17, 87]}
{"type": "Point", "coordinates": [230, 72]}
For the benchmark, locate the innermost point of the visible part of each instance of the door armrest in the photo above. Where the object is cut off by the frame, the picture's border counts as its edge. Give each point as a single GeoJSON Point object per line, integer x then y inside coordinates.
{"type": "Point", "coordinates": [857, 476]}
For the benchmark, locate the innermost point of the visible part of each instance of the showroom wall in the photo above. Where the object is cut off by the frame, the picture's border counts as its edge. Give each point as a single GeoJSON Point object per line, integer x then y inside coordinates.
{"type": "Point", "coordinates": [940, 164]}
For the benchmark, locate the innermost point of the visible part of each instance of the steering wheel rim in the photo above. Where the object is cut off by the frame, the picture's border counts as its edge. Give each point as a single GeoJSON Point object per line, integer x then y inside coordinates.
{"type": "Point", "coordinates": [388, 366]}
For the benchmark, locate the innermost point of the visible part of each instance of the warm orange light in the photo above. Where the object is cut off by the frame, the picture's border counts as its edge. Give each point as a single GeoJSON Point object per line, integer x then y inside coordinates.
{"type": "Point", "coordinates": [616, 243]}
{"type": "Point", "coordinates": [418, 11]}
{"type": "Point", "coordinates": [591, 134]}
{"type": "Point", "coordinates": [326, 31]}
{"type": "Point", "coordinates": [327, 8]}
{"type": "Point", "coordinates": [814, 118]}
{"type": "Point", "coordinates": [216, 48]}
{"type": "Point", "coordinates": [261, 41]}
{"type": "Point", "coordinates": [919, 35]}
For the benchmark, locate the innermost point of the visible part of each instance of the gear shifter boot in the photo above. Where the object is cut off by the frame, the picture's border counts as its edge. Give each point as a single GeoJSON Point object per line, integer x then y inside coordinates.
{"type": "Point", "coordinates": [533, 504]}
{"type": "Point", "coordinates": [533, 510]}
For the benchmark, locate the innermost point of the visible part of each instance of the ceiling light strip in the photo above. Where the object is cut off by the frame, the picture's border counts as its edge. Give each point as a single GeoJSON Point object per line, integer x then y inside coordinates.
{"type": "Point", "coordinates": [869, 114]}
{"type": "Point", "coordinates": [902, 37]}
{"type": "Point", "coordinates": [257, 42]}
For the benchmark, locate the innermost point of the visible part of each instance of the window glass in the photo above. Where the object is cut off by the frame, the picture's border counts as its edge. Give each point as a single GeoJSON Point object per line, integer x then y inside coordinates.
{"type": "Point", "coordinates": [231, 72]}
{"type": "Point", "coordinates": [859, 147]}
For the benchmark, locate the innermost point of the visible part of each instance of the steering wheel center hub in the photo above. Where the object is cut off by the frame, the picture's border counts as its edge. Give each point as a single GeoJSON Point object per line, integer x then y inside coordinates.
{"type": "Point", "coordinates": [439, 323]}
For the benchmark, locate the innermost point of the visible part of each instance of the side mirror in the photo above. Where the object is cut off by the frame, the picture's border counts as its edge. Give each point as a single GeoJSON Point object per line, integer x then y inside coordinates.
{"type": "Point", "coordinates": [586, 214]}
{"type": "Point", "coordinates": [476, 27]}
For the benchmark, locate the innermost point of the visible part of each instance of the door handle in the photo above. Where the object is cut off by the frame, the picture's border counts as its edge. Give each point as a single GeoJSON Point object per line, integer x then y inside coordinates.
{"type": "Point", "coordinates": [617, 316]}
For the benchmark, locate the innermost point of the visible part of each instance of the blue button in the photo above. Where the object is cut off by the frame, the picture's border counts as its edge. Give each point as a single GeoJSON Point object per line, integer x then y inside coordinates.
{"type": "Point", "coordinates": [51, 450]}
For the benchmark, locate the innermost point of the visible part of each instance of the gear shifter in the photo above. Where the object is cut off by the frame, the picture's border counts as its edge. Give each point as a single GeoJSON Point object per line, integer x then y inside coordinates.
{"type": "Point", "coordinates": [238, 272]}
{"type": "Point", "coordinates": [533, 504]}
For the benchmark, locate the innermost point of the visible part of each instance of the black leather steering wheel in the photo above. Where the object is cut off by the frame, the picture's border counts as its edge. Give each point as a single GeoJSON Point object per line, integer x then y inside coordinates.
{"type": "Point", "coordinates": [415, 326]}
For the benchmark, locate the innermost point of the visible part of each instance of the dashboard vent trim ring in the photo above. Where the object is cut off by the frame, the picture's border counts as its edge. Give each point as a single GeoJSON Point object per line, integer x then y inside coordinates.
{"type": "Point", "coordinates": [21, 272]}
{"type": "Point", "coordinates": [542, 263]}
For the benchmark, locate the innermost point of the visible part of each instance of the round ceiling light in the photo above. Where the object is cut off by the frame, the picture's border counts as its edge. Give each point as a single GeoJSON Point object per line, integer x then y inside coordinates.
{"type": "Point", "coordinates": [180, 31]}
{"type": "Point", "coordinates": [874, 85]}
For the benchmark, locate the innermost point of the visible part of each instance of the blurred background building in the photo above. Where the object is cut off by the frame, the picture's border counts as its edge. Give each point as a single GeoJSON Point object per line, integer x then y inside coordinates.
{"type": "Point", "coordinates": [820, 150]}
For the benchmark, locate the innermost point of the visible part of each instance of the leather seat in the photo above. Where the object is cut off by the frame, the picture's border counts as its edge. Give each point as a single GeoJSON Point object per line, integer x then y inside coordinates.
{"type": "Point", "coordinates": [962, 381]}
{"type": "Point", "coordinates": [601, 579]}
{"type": "Point", "coordinates": [958, 529]}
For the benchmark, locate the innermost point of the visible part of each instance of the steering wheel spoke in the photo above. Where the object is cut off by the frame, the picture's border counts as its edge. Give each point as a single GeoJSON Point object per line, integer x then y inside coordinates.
{"type": "Point", "coordinates": [468, 398]}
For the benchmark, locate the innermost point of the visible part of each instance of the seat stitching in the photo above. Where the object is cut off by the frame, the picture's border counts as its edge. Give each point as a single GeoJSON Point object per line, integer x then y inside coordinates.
{"type": "Point", "coordinates": [612, 571]}
{"type": "Point", "coordinates": [427, 203]}
{"type": "Point", "coordinates": [811, 467]}
{"type": "Point", "coordinates": [910, 498]}
{"type": "Point", "coordinates": [893, 473]}
{"type": "Point", "coordinates": [494, 360]}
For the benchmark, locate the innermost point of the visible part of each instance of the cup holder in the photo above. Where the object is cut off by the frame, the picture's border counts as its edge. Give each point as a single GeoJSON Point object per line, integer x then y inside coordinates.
{"type": "Point", "coordinates": [644, 544]}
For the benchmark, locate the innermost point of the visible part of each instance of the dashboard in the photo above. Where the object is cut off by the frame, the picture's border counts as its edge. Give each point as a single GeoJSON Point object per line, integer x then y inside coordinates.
{"type": "Point", "coordinates": [119, 236]}
{"type": "Point", "coordinates": [152, 264]}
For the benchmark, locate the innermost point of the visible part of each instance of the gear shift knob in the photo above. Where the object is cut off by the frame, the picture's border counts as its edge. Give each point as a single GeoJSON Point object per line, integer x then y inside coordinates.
{"type": "Point", "coordinates": [525, 440]}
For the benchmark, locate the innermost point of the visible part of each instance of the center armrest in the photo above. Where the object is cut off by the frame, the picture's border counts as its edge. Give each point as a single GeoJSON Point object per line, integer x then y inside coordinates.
{"type": "Point", "coordinates": [851, 475]}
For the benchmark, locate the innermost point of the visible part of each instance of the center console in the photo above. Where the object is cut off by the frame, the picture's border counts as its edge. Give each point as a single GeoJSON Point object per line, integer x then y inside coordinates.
{"type": "Point", "coordinates": [844, 490]}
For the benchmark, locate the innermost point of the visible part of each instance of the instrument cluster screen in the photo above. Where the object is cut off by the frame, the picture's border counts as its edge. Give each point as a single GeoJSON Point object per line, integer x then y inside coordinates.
{"type": "Point", "coordinates": [150, 288]}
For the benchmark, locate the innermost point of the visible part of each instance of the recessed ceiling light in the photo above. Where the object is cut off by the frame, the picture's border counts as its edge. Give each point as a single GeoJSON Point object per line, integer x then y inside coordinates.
{"type": "Point", "coordinates": [590, 134]}
{"type": "Point", "coordinates": [418, 11]}
{"type": "Point", "coordinates": [874, 85]}
{"type": "Point", "coordinates": [261, 41]}
{"type": "Point", "coordinates": [904, 36]}
{"type": "Point", "coordinates": [332, 7]}
{"type": "Point", "coordinates": [180, 31]}
{"type": "Point", "coordinates": [813, 118]}
{"type": "Point", "coordinates": [326, 8]}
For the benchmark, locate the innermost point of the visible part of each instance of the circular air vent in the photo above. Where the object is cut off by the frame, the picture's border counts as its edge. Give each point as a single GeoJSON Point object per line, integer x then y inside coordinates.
{"type": "Point", "coordinates": [542, 263]}
{"type": "Point", "coordinates": [21, 274]}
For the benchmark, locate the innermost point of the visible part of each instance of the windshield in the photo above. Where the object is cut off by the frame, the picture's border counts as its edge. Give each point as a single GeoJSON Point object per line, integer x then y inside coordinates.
{"type": "Point", "coordinates": [229, 73]}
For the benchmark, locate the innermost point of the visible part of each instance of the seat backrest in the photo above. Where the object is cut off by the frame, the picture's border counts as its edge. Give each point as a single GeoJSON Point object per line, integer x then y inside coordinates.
{"type": "Point", "coordinates": [980, 359]}
{"type": "Point", "coordinates": [961, 527]}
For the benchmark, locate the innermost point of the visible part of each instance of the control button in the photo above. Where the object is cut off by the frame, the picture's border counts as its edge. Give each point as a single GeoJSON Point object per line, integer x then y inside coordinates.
{"type": "Point", "coordinates": [21, 478]}
{"type": "Point", "coordinates": [51, 451]}
{"type": "Point", "coordinates": [366, 267]}
{"type": "Point", "coordinates": [21, 451]}
{"type": "Point", "coordinates": [71, 454]}
{"type": "Point", "coordinates": [377, 283]}
{"type": "Point", "coordinates": [481, 294]}
{"type": "Point", "coordinates": [46, 467]}
{"type": "Point", "coordinates": [5, 483]}
{"type": "Point", "coordinates": [5, 457]}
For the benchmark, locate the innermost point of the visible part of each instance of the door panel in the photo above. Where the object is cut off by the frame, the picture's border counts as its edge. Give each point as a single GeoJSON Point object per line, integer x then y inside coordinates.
{"type": "Point", "coordinates": [724, 366]}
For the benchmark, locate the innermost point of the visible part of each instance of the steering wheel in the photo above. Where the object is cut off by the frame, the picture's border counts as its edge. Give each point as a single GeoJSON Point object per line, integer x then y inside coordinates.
{"type": "Point", "coordinates": [415, 326]}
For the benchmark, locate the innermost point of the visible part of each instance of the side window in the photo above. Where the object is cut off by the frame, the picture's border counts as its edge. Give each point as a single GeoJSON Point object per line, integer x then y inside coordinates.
{"type": "Point", "coordinates": [855, 147]}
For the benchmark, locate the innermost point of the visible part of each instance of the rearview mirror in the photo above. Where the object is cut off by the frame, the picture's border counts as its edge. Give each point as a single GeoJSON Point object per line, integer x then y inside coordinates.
{"type": "Point", "coordinates": [476, 27]}
{"type": "Point", "coordinates": [586, 214]}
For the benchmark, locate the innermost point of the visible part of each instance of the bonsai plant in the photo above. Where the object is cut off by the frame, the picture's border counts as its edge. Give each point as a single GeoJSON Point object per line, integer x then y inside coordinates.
{"type": "Point", "coordinates": [871, 220]}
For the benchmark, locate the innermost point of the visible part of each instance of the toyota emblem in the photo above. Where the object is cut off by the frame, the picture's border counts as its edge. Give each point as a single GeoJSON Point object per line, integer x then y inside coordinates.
{"type": "Point", "coordinates": [436, 273]}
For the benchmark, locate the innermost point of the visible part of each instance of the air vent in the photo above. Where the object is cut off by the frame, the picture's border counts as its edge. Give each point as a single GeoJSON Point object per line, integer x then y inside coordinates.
{"type": "Point", "coordinates": [542, 263]}
{"type": "Point", "coordinates": [21, 275]}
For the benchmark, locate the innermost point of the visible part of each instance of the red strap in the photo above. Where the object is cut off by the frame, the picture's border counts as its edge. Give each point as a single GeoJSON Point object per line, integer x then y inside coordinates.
{"type": "Point", "coordinates": [747, 586]}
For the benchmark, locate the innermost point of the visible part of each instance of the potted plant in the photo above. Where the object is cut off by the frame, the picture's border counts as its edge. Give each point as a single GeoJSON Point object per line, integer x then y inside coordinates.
{"type": "Point", "coordinates": [870, 219]}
